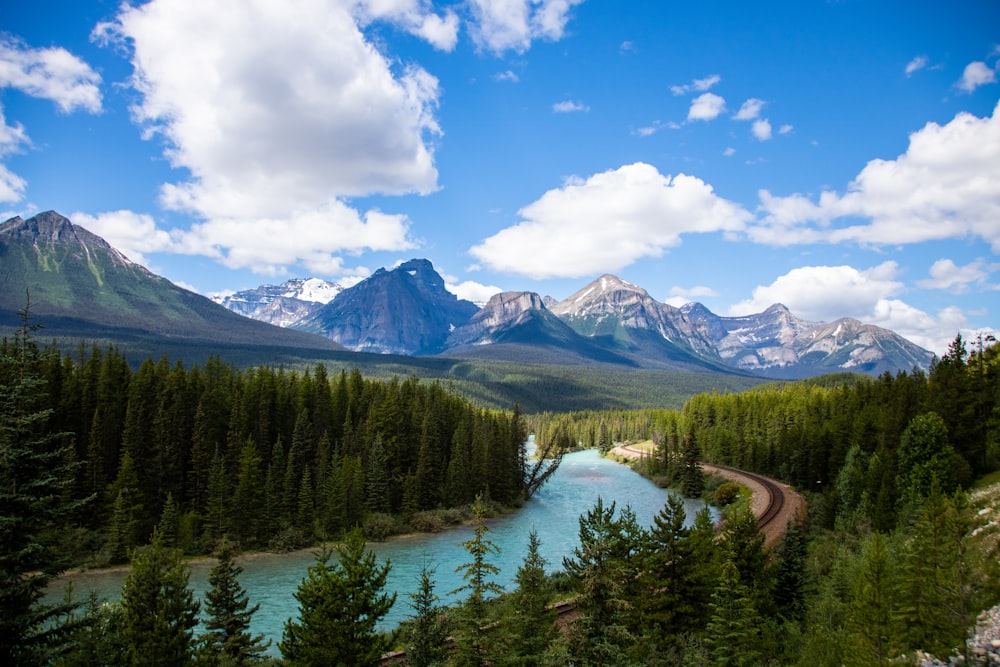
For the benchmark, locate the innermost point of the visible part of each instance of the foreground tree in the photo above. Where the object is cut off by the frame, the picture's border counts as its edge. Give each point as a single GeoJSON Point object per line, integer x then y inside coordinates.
{"type": "Point", "coordinates": [530, 620]}
{"type": "Point", "coordinates": [339, 606]}
{"type": "Point", "coordinates": [159, 611]}
{"type": "Point", "coordinates": [473, 635]}
{"type": "Point", "coordinates": [229, 615]}
{"type": "Point", "coordinates": [33, 478]}
{"type": "Point", "coordinates": [427, 633]}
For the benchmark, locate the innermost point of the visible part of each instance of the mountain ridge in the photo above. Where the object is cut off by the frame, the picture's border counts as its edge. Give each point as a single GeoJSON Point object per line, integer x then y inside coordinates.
{"type": "Point", "coordinates": [81, 283]}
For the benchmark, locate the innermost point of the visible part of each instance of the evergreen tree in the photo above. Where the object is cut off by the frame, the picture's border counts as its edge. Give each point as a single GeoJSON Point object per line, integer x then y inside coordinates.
{"type": "Point", "coordinates": [732, 634]}
{"type": "Point", "coordinates": [427, 632]}
{"type": "Point", "coordinates": [601, 571]}
{"type": "Point", "coordinates": [126, 511]}
{"type": "Point", "coordinates": [529, 618]}
{"type": "Point", "coordinates": [692, 479]}
{"type": "Point", "coordinates": [339, 606]}
{"type": "Point", "coordinates": [473, 645]}
{"type": "Point", "coordinates": [169, 523]}
{"type": "Point", "coordinates": [869, 637]}
{"type": "Point", "coordinates": [229, 614]}
{"type": "Point", "coordinates": [790, 577]}
{"type": "Point", "coordinates": [33, 477]}
{"type": "Point", "coordinates": [159, 610]}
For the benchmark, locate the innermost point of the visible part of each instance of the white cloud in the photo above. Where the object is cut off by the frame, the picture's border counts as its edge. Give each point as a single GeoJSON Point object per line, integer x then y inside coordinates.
{"type": "Point", "coordinates": [413, 16]}
{"type": "Point", "coordinates": [569, 106]}
{"type": "Point", "coordinates": [11, 186]}
{"type": "Point", "coordinates": [311, 239]}
{"type": "Point", "coordinates": [827, 293]}
{"type": "Point", "coordinates": [52, 74]}
{"type": "Point", "coordinates": [512, 25]}
{"type": "Point", "coordinates": [786, 129]}
{"type": "Point", "coordinates": [946, 275]}
{"type": "Point", "coordinates": [729, 152]}
{"type": "Point", "coordinates": [472, 291]}
{"type": "Point", "coordinates": [707, 106]}
{"type": "Point", "coordinates": [946, 185]}
{"type": "Point", "coordinates": [682, 295]}
{"type": "Point", "coordinates": [916, 65]}
{"type": "Point", "coordinates": [606, 222]}
{"type": "Point", "coordinates": [134, 234]}
{"type": "Point", "coordinates": [976, 74]}
{"type": "Point", "coordinates": [762, 129]}
{"type": "Point", "coordinates": [698, 85]}
{"type": "Point", "coordinates": [749, 109]}
{"type": "Point", "coordinates": [278, 111]}
{"type": "Point", "coordinates": [507, 75]}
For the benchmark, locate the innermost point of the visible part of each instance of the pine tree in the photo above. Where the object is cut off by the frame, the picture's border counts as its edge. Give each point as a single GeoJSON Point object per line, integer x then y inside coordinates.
{"type": "Point", "coordinates": [159, 610]}
{"type": "Point", "coordinates": [427, 632]}
{"type": "Point", "coordinates": [339, 606]}
{"type": "Point", "coordinates": [33, 476]}
{"type": "Point", "coordinates": [601, 571]}
{"type": "Point", "coordinates": [229, 614]}
{"type": "Point", "coordinates": [530, 620]}
{"type": "Point", "coordinates": [732, 634]}
{"type": "Point", "coordinates": [869, 640]}
{"type": "Point", "coordinates": [473, 645]}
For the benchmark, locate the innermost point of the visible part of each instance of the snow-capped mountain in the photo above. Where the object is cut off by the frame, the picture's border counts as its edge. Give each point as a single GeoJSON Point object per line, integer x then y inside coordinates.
{"type": "Point", "coordinates": [282, 305]}
{"type": "Point", "coordinates": [403, 311]}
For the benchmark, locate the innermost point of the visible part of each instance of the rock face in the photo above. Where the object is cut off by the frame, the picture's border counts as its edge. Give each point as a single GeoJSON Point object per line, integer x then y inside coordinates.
{"type": "Point", "coordinates": [779, 344]}
{"type": "Point", "coordinates": [282, 305]}
{"type": "Point", "coordinates": [403, 311]}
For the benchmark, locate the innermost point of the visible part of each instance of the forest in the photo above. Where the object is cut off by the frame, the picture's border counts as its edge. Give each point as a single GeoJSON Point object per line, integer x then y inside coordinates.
{"type": "Point", "coordinates": [107, 463]}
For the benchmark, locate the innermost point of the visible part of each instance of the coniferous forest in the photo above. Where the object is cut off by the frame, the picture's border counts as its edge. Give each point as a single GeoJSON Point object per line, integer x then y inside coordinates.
{"type": "Point", "coordinates": [103, 462]}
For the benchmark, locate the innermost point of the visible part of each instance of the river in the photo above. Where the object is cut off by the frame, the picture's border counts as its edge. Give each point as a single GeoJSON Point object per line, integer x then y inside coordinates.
{"type": "Point", "coordinates": [271, 579]}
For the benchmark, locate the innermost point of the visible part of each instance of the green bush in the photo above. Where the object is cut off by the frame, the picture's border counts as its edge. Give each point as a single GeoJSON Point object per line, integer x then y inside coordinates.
{"type": "Point", "coordinates": [727, 493]}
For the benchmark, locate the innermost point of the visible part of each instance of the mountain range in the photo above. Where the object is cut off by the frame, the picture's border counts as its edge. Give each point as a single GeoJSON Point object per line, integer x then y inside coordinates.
{"type": "Point", "coordinates": [79, 285]}
{"type": "Point", "coordinates": [408, 311]}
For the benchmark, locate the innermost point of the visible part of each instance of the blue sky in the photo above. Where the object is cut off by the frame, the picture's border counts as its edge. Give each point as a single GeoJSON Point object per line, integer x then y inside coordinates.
{"type": "Point", "coordinates": [842, 157]}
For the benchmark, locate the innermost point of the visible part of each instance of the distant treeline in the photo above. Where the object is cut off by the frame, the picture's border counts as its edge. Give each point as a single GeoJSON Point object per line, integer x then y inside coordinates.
{"type": "Point", "coordinates": [863, 444]}
{"type": "Point", "coordinates": [264, 455]}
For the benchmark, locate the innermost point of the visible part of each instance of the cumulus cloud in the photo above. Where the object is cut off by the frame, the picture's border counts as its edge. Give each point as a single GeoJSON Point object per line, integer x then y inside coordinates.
{"type": "Point", "coordinates": [976, 74]}
{"type": "Point", "coordinates": [827, 293]}
{"type": "Point", "coordinates": [278, 113]}
{"type": "Point", "coordinates": [413, 16]}
{"type": "Point", "coordinates": [916, 65]}
{"type": "Point", "coordinates": [946, 275]}
{"type": "Point", "coordinates": [472, 291]}
{"type": "Point", "coordinates": [946, 185]}
{"type": "Point", "coordinates": [569, 106]}
{"type": "Point", "coordinates": [606, 222]}
{"type": "Point", "coordinates": [698, 85]}
{"type": "Point", "coordinates": [134, 234]}
{"type": "Point", "coordinates": [682, 295]}
{"type": "Point", "coordinates": [52, 74]}
{"type": "Point", "coordinates": [749, 109]}
{"type": "Point", "coordinates": [512, 25]}
{"type": "Point", "coordinates": [762, 129]}
{"type": "Point", "coordinates": [707, 106]}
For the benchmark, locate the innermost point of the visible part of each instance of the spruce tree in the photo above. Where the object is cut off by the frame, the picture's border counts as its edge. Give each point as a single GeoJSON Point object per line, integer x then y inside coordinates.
{"type": "Point", "coordinates": [339, 606]}
{"type": "Point", "coordinates": [732, 634]}
{"type": "Point", "coordinates": [530, 620]}
{"type": "Point", "coordinates": [33, 476]}
{"type": "Point", "coordinates": [229, 614]}
{"type": "Point", "coordinates": [427, 632]}
{"type": "Point", "coordinates": [159, 610]}
{"type": "Point", "coordinates": [473, 645]}
{"type": "Point", "coordinates": [869, 635]}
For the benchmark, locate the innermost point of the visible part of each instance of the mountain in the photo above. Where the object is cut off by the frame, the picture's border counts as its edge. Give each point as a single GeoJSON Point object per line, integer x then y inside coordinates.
{"type": "Point", "coordinates": [403, 311]}
{"type": "Point", "coordinates": [80, 287]}
{"type": "Point", "coordinates": [778, 344]}
{"type": "Point", "coordinates": [518, 325]}
{"type": "Point", "coordinates": [282, 305]}
{"type": "Point", "coordinates": [624, 317]}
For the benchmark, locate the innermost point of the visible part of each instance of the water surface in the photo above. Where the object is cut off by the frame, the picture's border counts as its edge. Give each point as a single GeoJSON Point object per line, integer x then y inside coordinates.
{"type": "Point", "coordinates": [271, 579]}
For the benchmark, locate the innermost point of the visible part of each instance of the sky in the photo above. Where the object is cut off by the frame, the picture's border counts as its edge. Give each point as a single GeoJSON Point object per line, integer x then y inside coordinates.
{"type": "Point", "coordinates": [841, 157]}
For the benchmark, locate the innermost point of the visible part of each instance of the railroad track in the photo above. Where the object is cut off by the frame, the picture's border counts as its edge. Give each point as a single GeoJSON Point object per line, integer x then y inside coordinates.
{"type": "Point", "coordinates": [775, 494]}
